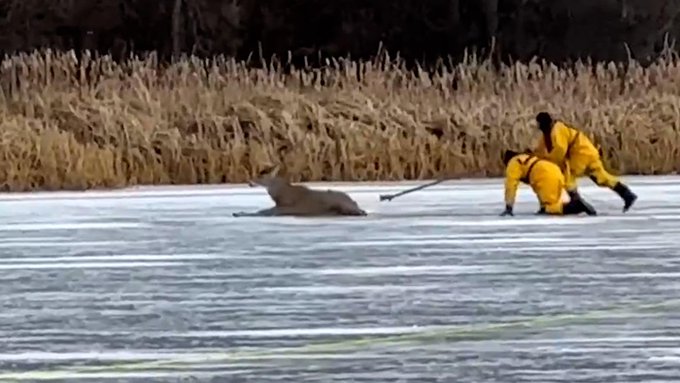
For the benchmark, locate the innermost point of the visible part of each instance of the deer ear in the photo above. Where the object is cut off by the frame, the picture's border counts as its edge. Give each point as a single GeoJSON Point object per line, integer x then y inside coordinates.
{"type": "Point", "coordinates": [275, 169]}
{"type": "Point", "coordinates": [270, 170]}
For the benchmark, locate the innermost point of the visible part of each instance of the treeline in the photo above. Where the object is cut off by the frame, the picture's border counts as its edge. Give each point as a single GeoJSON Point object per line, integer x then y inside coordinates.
{"type": "Point", "coordinates": [421, 30]}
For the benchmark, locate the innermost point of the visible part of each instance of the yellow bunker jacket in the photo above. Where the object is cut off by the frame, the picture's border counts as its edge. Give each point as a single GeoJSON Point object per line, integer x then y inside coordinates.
{"type": "Point", "coordinates": [565, 144]}
{"type": "Point", "coordinates": [536, 172]}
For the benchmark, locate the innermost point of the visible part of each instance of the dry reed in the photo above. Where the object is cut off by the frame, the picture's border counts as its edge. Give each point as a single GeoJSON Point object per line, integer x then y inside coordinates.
{"type": "Point", "coordinates": [67, 124]}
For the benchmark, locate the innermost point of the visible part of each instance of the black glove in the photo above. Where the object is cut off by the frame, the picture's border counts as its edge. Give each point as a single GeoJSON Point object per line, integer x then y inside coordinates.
{"type": "Point", "coordinates": [508, 211]}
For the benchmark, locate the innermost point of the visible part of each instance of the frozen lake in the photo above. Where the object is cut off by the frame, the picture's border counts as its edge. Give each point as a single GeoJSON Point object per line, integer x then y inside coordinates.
{"type": "Point", "coordinates": [158, 284]}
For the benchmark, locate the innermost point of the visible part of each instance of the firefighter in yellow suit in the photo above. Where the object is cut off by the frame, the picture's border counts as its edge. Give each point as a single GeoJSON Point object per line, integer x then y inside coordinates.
{"type": "Point", "coordinates": [577, 156]}
{"type": "Point", "coordinates": [546, 180]}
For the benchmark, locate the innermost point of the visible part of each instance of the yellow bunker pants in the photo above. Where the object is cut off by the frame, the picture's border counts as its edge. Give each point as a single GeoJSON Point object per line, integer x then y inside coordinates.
{"type": "Point", "coordinates": [547, 181]}
{"type": "Point", "coordinates": [591, 166]}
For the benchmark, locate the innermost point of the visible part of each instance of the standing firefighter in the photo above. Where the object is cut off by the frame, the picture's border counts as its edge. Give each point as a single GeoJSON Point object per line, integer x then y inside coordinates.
{"type": "Point", "coordinates": [577, 156]}
{"type": "Point", "coordinates": [546, 180]}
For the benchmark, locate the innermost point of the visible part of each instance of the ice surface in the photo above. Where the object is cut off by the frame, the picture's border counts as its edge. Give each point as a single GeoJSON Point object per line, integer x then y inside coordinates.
{"type": "Point", "coordinates": [129, 278]}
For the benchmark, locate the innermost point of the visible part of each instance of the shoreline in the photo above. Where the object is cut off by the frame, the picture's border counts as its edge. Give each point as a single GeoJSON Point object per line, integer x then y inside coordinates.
{"type": "Point", "coordinates": [70, 125]}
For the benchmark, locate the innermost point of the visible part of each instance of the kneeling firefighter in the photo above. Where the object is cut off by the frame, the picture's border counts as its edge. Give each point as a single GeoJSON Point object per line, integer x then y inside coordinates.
{"type": "Point", "coordinates": [573, 151]}
{"type": "Point", "coordinates": [546, 180]}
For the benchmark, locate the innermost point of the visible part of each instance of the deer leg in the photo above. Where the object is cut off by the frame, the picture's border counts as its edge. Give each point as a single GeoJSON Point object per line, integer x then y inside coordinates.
{"type": "Point", "coordinates": [272, 211]}
{"type": "Point", "coordinates": [345, 209]}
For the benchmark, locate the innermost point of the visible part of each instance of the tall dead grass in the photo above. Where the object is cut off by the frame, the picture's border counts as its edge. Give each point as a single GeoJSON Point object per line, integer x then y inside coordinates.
{"type": "Point", "coordinates": [66, 124]}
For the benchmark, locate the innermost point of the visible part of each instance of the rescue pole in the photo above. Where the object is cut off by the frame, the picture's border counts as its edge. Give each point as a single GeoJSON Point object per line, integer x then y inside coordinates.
{"type": "Point", "coordinates": [389, 197]}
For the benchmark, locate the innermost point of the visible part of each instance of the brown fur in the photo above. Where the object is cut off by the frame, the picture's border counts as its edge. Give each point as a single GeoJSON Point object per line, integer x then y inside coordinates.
{"type": "Point", "coordinates": [299, 200]}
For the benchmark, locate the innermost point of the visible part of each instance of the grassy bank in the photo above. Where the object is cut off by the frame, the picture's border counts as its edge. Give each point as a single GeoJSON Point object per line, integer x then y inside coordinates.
{"type": "Point", "coordinates": [70, 126]}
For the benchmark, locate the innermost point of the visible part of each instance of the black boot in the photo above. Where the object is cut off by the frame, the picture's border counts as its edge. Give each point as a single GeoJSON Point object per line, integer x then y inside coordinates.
{"type": "Point", "coordinates": [589, 209]}
{"type": "Point", "coordinates": [573, 195]}
{"type": "Point", "coordinates": [628, 196]}
{"type": "Point", "coordinates": [578, 206]}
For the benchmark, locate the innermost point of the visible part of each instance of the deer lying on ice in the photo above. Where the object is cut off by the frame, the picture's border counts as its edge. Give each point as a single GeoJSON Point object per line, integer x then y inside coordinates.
{"type": "Point", "coordinates": [299, 200]}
